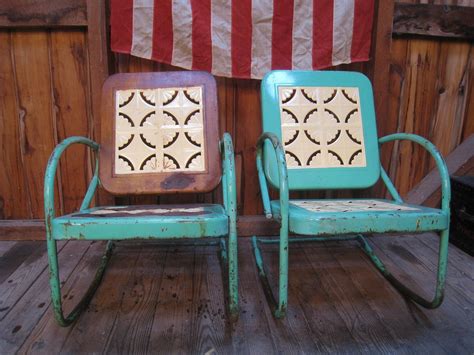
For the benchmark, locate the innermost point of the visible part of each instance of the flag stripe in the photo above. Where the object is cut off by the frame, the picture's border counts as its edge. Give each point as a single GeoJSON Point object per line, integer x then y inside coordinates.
{"type": "Point", "coordinates": [201, 35]}
{"type": "Point", "coordinates": [142, 40]}
{"type": "Point", "coordinates": [302, 51]}
{"type": "Point", "coordinates": [282, 34]}
{"type": "Point", "coordinates": [323, 12]}
{"type": "Point", "coordinates": [262, 12]}
{"type": "Point", "coordinates": [241, 38]}
{"type": "Point", "coordinates": [121, 22]}
{"type": "Point", "coordinates": [162, 31]}
{"type": "Point", "coordinates": [245, 38]}
{"type": "Point", "coordinates": [362, 30]}
{"type": "Point", "coordinates": [342, 31]}
{"type": "Point", "coordinates": [182, 38]}
{"type": "Point", "coordinates": [221, 18]}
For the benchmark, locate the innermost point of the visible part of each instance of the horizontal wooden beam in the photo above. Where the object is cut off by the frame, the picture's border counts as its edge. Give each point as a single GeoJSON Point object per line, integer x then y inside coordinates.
{"type": "Point", "coordinates": [460, 161]}
{"type": "Point", "coordinates": [433, 20]}
{"type": "Point", "coordinates": [42, 13]}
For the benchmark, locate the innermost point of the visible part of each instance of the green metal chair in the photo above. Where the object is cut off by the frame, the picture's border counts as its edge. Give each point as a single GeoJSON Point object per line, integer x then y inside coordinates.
{"type": "Point", "coordinates": [159, 134]}
{"type": "Point", "coordinates": [320, 133]}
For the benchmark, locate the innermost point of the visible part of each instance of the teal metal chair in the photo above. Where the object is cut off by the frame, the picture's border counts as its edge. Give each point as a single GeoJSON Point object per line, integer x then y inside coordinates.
{"type": "Point", "coordinates": [159, 135]}
{"type": "Point", "coordinates": [319, 134]}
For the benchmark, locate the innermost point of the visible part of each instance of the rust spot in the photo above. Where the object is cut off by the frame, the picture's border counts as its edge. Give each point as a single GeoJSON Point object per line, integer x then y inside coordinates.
{"type": "Point", "coordinates": [177, 181]}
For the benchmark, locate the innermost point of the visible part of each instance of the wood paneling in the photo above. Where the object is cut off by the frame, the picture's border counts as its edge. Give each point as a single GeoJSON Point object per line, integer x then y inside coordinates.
{"type": "Point", "coordinates": [430, 86]}
{"type": "Point", "coordinates": [14, 198]}
{"type": "Point", "coordinates": [42, 13]}
{"type": "Point", "coordinates": [69, 69]}
{"type": "Point", "coordinates": [31, 58]}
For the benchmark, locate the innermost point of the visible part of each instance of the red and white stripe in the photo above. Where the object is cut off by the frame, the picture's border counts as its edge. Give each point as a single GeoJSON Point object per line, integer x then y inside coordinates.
{"type": "Point", "coordinates": [244, 38]}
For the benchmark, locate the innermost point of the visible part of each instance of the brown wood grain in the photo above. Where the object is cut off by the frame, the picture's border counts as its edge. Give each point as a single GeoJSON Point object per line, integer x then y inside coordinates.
{"type": "Point", "coordinates": [17, 324]}
{"type": "Point", "coordinates": [14, 197]}
{"type": "Point", "coordinates": [70, 82]}
{"type": "Point", "coordinates": [42, 13]}
{"type": "Point", "coordinates": [99, 70]}
{"type": "Point", "coordinates": [36, 112]}
{"type": "Point", "coordinates": [433, 20]}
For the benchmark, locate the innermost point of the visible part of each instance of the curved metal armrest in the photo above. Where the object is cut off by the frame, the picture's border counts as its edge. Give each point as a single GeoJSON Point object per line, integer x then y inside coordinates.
{"type": "Point", "coordinates": [229, 190]}
{"type": "Point", "coordinates": [440, 164]}
{"type": "Point", "coordinates": [282, 173]}
{"type": "Point", "coordinates": [51, 173]}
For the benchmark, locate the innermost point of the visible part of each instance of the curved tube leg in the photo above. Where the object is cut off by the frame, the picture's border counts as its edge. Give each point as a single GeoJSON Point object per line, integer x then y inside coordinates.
{"type": "Point", "coordinates": [441, 274]}
{"type": "Point", "coordinates": [280, 308]}
{"type": "Point", "coordinates": [55, 284]}
{"type": "Point", "coordinates": [233, 273]}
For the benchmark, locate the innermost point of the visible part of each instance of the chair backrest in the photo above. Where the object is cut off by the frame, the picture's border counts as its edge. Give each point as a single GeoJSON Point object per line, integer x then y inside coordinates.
{"type": "Point", "coordinates": [159, 133]}
{"type": "Point", "coordinates": [326, 123]}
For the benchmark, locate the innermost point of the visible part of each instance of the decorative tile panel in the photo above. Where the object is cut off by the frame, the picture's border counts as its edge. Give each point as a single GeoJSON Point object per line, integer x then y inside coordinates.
{"type": "Point", "coordinates": [159, 130]}
{"type": "Point", "coordinates": [350, 206]}
{"type": "Point", "coordinates": [321, 127]}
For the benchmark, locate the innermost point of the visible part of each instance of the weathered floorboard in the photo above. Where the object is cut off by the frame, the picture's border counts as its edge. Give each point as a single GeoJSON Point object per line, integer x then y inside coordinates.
{"type": "Point", "coordinates": [157, 298]}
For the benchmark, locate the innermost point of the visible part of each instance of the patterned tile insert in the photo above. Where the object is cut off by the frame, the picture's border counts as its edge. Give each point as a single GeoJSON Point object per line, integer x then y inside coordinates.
{"type": "Point", "coordinates": [322, 127]}
{"type": "Point", "coordinates": [351, 206]}
{"type": "Point", "coordinates": [159, 130]}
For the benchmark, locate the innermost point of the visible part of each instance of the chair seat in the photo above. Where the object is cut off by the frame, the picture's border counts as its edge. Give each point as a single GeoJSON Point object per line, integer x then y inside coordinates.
{"type": "Point", "coordinates": [317, 217]}
{"type": "Point", "coordinates": [150, 221]}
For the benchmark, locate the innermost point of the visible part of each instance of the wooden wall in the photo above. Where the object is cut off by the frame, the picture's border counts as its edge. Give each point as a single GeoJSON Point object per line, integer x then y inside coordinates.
{"type": "Point", "coordinates": [45, 97]}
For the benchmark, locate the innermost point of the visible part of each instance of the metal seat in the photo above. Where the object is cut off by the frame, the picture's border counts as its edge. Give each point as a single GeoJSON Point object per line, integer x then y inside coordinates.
{"type": "Point", "coordinates": [320, 134]}
{"type": "Point", "coordinates": [310, 217]}
{"type": "Point", "coordinates": [159, 135]}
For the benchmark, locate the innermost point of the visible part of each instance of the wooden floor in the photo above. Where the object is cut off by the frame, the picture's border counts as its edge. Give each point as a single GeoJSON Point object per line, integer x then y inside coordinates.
{"type": "Point", "coordinates": [167, 299]}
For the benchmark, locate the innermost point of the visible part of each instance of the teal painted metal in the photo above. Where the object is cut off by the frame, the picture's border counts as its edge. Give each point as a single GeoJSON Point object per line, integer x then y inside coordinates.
{"type": "Point", "coordinates": [303, 221]}
{"type": "Point", "coordinates": [320, 178]}
{"type": "Point", "coordinates": [324, 225]}
{"type": "Point", "coordinates": [230, 189]}
{"type": "Point", "coordinates": [51, 242]}
{"type": "Point", "coordinates": [279, 154]}
{"type": "Point", "coordinates": [390, 186]}
{"type": "Point", "coordinates": [214, 221]}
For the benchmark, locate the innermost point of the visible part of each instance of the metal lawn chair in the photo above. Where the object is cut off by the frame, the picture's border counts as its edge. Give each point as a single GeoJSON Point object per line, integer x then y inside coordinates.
{"type": "Point", "coordinates": [320, 133]}
{"type": "Point", "coordinates": [159, 134]}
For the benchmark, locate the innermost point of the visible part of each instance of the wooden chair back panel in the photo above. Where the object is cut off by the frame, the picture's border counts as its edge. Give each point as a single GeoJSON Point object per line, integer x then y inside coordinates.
{"type": "Point", "coordinates": [160, 133]}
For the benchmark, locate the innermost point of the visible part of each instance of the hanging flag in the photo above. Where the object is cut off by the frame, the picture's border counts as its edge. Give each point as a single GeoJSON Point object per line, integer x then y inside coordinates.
{"type": "Point", "coordinates": [244, 38]}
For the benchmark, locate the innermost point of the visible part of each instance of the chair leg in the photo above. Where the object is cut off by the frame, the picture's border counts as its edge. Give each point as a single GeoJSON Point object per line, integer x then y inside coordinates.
{"type": "Point", "coordinates": [233, 274]}
{"type": "Point", "coordinates": [441, 274]}
{"type": "Point", "coordinates": [56, 286]}
{"type": "Point", "coordinates": [280, 309]}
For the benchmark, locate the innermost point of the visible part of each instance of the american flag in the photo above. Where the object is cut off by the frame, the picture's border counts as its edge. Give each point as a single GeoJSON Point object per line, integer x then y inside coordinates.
{"type": "Point", "coordinates": [244, 38]}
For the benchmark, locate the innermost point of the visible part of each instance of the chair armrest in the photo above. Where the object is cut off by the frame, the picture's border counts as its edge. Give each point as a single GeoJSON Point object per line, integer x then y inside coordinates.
{"type": "Point", "coordinates": [51, 173]}
{"type": "Point", "coordinates": [440, 163]}
{"type": "Point", "coordinates": [282, 173]}
{"type": "Point", "coordinates": [229, 189]}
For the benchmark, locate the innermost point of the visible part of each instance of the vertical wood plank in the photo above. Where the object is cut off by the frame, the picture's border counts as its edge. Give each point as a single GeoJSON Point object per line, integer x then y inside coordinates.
{"type": "Point", "coordinates": [98, 68]}
{"type": "Point", "coordinates": [453, 77]}
{"type": "Point", "coordinates": [37, 133]}
{"type": "Point", "coordinates": [468, 127]}
{"type": "Point", "coordinates": [248, 128]}
{"type": "Point", "coordinates": [14, 198]}
{"type": "Point", "coordinates": [70, 90]}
